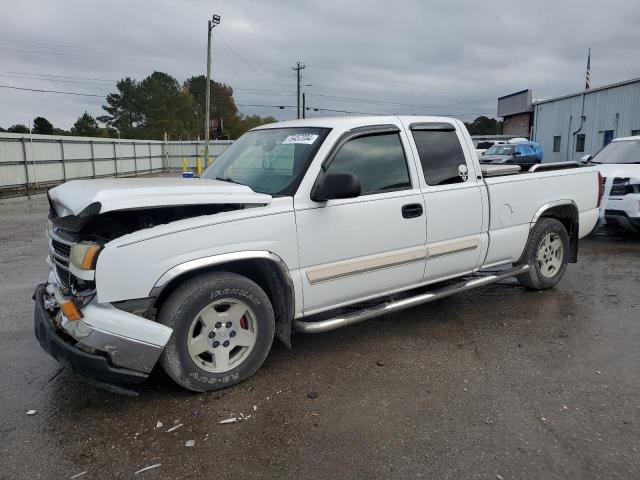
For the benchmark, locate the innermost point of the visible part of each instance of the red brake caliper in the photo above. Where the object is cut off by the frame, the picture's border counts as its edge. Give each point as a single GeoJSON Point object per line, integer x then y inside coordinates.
{"type": "Point", "coordinates": [243, 323]}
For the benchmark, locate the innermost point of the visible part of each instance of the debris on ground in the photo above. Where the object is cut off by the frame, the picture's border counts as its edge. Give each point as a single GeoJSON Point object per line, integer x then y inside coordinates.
{"type": "Point", "coordinates": [77, 475]}
{"type": "Point", "coordinates": [255, 408]}
{"type": "Point", "coordinates": [31, 412]}
{"type": "Point", "coordinates": [174, 428]}
{"type": "Point", "coordinates": [598, 372]}
{"type": "Point", "coordinates": [150, 467]}
{"type": "Point", "coordinates": [229, 420]}
{"type": "Point", "coordinates": [499, 477]}
{"type": "Point", "coordinates": [159, 424]}
{"type": "Point", "coordinates": [380, 363]}
{"type": "Point", "coordinates": [190, 443]}
{"type": "Point", "coordinates": [312, 395]}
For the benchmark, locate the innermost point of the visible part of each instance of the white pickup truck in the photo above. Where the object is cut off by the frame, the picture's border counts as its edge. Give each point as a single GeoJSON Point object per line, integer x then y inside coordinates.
{"type": "Point", "coordinates": [302, 226]}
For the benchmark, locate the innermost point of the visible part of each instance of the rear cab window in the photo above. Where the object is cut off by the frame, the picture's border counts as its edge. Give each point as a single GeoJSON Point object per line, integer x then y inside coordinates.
{"type": "Point", "coordinates": [440, 152]}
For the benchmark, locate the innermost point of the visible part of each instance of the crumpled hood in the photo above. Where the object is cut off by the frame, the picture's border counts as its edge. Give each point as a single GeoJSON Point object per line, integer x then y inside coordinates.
{"type": "Point", "coordinates": [619, 170]}
{"type": "Point", "coordinates": [105, 195]}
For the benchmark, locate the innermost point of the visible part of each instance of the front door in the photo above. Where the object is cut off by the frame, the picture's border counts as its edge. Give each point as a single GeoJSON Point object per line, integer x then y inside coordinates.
{"type": "Point", "coordinates": [355, 248]}
{"type": "Point", "coordinates": [454, 197]}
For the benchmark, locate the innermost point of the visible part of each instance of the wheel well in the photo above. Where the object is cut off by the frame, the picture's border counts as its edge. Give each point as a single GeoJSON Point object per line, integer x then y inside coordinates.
{"type": "Point", "coordinates": [267, 274]}
{"type": "Point", "coordinates": [567, 215]}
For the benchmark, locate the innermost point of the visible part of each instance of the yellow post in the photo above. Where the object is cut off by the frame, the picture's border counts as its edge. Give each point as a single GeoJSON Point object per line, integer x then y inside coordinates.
{"type": "Point", "coordinates": [184, 164]}
{"type": "Point", "coordinates": [209, 160]}
{"type": "Point", "coordinates": [198, 166]}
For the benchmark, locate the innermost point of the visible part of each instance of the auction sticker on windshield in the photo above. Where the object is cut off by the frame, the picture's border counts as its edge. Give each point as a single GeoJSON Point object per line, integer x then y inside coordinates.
{"type": "Point", "coordinates": [304, 138]}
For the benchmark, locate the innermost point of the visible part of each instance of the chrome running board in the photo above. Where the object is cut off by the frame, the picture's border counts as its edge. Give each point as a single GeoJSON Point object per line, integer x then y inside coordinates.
{"type": "Point", "coordinates": [396, 305]}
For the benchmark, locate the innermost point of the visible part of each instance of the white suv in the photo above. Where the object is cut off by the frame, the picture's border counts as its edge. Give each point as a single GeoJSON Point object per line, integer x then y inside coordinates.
{"type": "Point", "coordinates": [619, 165]}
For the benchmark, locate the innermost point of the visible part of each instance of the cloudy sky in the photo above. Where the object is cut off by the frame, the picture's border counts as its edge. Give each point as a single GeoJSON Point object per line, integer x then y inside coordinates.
{"type": "Point", "coordinates": [406, 56]}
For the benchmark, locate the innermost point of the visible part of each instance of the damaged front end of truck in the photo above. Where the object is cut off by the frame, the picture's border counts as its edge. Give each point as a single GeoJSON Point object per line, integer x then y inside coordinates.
{"type": "Point", "coordinates": [113, 343]}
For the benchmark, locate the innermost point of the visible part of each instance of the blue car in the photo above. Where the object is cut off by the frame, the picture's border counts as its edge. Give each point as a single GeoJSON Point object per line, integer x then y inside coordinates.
{"type": "Point", "coordinates": [525, 154]}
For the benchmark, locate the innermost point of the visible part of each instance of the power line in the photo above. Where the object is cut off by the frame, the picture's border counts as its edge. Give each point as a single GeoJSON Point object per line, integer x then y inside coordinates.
{"type": "Point", "coordinates": [383, 102]}
{"type": "Point", "coordinates": [56, 80]}
{"type": "Point", "coordinates": [58, 76]}
{"type": "Point", "coordinates": [50, 48]}
{"type": "Point", "coordinates": [53, 91]}
{"type": "Point", "coordinates": [241, 58]}
{"type": "Point", "coordinates": [281, 107]}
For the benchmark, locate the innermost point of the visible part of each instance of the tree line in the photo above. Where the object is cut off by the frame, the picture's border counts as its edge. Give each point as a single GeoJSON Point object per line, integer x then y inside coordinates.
{"type": "Point", "coordinates": [156, 105]}
{"type": "Point", "coordinates": [146, 109]}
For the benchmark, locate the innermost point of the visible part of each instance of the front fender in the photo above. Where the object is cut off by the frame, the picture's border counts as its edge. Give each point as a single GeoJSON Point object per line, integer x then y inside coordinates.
{"type": "Point", "coordinates": [132, 270]}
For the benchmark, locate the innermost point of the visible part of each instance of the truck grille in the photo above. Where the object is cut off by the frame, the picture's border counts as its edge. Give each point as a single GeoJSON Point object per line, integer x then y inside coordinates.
{"type": "Point", "coordinates": [59, 250]}
{"type": "Point", "coordinates": [64, 276]}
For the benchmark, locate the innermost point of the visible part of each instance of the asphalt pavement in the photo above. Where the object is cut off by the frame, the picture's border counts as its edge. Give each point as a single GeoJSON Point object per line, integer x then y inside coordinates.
{"type": "Point", "coordinates": [499, 383]}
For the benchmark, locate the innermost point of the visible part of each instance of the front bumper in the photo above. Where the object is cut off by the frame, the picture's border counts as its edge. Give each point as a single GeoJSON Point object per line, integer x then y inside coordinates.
{"type": "Point", "coordinates": [107, 344]}
{"type": "Point", "coordinates": [66, 351]}
{"type": "Point", "coordinates": [620, 218]}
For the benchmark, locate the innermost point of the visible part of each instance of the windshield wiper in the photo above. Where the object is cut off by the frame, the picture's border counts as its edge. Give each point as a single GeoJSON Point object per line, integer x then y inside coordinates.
{"type": "Point", "coordinates": [228, 179]}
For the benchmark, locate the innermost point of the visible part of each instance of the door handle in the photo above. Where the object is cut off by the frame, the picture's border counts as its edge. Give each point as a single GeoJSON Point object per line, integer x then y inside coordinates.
{"type": "Point", "coordinates": [412, 210]}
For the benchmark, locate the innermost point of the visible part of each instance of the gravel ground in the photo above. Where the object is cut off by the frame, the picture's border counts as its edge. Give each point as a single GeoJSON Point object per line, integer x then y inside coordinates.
{"type": "Point", "coordinates": [495, 383]}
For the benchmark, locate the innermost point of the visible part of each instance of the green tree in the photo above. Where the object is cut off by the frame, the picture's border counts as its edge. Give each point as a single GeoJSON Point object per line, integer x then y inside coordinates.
{"type": "Point", "coordinates": [2, 129]}
{"type": "Point", "coordinates": [222, 104]}
{"type": "Point", "coordinates": [252, 121]}
{"type": "Point", "coordinates": [42, 126]}
{"type": "Point", "coordinates": [107, 132]}
{"type": "Point", "coordinates": [167, 108]}
{"type": "Point", "coordinates": [85, 126]}
{"type": "Point", "coordinates": [18, 128]}
{"type": "Point", "coordinates": [124, 108]}
{"type": "Point", "coordinates": [484, 126]}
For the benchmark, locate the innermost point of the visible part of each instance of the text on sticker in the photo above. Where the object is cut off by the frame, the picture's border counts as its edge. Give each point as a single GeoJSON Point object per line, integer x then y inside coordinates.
{"type": "Point", "coordinates": [305, 138]}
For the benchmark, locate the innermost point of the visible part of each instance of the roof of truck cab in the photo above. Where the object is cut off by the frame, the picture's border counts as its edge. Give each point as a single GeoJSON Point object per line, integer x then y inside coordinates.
{"type": "Point", "coordinates": [626, 139]}
{"type": "Point", "coordinates": [347, 122]}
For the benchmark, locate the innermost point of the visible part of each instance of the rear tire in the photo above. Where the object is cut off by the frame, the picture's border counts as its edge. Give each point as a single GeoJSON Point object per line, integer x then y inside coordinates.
{"type": "Point", "coordinates": [223, 326]}
{"type": "Point", "coordinates": [546, 253]}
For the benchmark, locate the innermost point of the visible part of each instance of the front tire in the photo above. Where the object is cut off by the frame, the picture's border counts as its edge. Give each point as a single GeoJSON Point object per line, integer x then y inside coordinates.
{"type": "Point", "coordinates": [546, 253]}
{"type": "Point", "coordinates": [223, 327]}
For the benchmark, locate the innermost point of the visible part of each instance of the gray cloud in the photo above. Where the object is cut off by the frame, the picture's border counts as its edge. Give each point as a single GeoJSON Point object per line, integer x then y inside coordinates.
{"type": "Point", "coordinates": [450, 57]}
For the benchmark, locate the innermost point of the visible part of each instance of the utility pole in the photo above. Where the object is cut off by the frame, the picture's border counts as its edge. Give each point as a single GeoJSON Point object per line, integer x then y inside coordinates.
{"type": "Point", "coordinates": [215, 20]}
{"type": "Point", "coordinates": [304, 105]}
{"type": "Point", "coordinates": [299, 66]}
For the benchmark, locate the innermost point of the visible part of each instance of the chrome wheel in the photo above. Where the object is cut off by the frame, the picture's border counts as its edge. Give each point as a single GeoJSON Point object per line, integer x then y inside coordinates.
{"type": "Point", "coordinates": [550, 255]}
{"type": "Point", "coordinates": [222, 335]}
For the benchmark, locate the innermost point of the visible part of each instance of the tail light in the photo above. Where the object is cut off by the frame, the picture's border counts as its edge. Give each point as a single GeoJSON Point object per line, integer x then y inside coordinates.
{"type": "Point", "coordinates": [601, 181]}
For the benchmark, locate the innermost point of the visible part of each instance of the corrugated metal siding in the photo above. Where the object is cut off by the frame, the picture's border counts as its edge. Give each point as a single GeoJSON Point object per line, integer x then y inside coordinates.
{"type": "Point", "coordinates": [51, 160]}
{"type": "Point", "coordinates": [616, 108]}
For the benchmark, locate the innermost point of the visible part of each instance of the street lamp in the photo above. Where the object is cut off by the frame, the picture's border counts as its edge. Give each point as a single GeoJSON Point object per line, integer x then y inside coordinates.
{"type": "Point", "coordinates": [215, 20]}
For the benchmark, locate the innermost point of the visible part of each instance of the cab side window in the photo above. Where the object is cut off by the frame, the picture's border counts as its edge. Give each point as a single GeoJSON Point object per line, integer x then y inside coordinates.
{"type": "Point", "coordinates": [440, 154]}
{"type": "Point", "coordinates": [377, 160]}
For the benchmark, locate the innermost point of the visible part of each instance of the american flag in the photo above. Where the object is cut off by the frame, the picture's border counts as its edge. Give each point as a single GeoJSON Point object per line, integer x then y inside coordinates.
{"type": "Point", "coordinates": [588, 76]}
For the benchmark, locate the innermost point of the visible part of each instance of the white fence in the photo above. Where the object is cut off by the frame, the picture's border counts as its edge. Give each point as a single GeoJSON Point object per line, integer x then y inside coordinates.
{"type": "Point", "coordinates": [33, 161]}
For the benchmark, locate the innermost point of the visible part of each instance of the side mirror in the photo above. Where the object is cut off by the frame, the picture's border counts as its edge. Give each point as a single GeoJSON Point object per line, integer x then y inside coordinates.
{"type": "Point", "coordinates": [336, 185]}
{"type": "Point", "coordinates": [586, 158]}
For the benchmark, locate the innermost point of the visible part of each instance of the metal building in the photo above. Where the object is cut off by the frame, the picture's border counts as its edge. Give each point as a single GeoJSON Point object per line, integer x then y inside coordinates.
{"type": "Point", "coordinates": [572, 126]}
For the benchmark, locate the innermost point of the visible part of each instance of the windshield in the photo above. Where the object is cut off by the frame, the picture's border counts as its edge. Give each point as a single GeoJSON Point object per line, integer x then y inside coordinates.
{"type": "Point", "coordinates": [271, 160]}
{"type": "Point", "coordinates": [499, 150]}
{"type": "Point", "coordinates": [626, 151]}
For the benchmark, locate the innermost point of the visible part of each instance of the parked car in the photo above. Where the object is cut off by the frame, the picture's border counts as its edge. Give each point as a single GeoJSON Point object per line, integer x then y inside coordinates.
{"type": "Point", "coordinates": [303, 226]}
{"type": "Point", "coordinates": [483, 145]}
{"type": "Point", "coordinates": [619, 164]}
{"type": "Point", "coordinates": [519, 154]}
